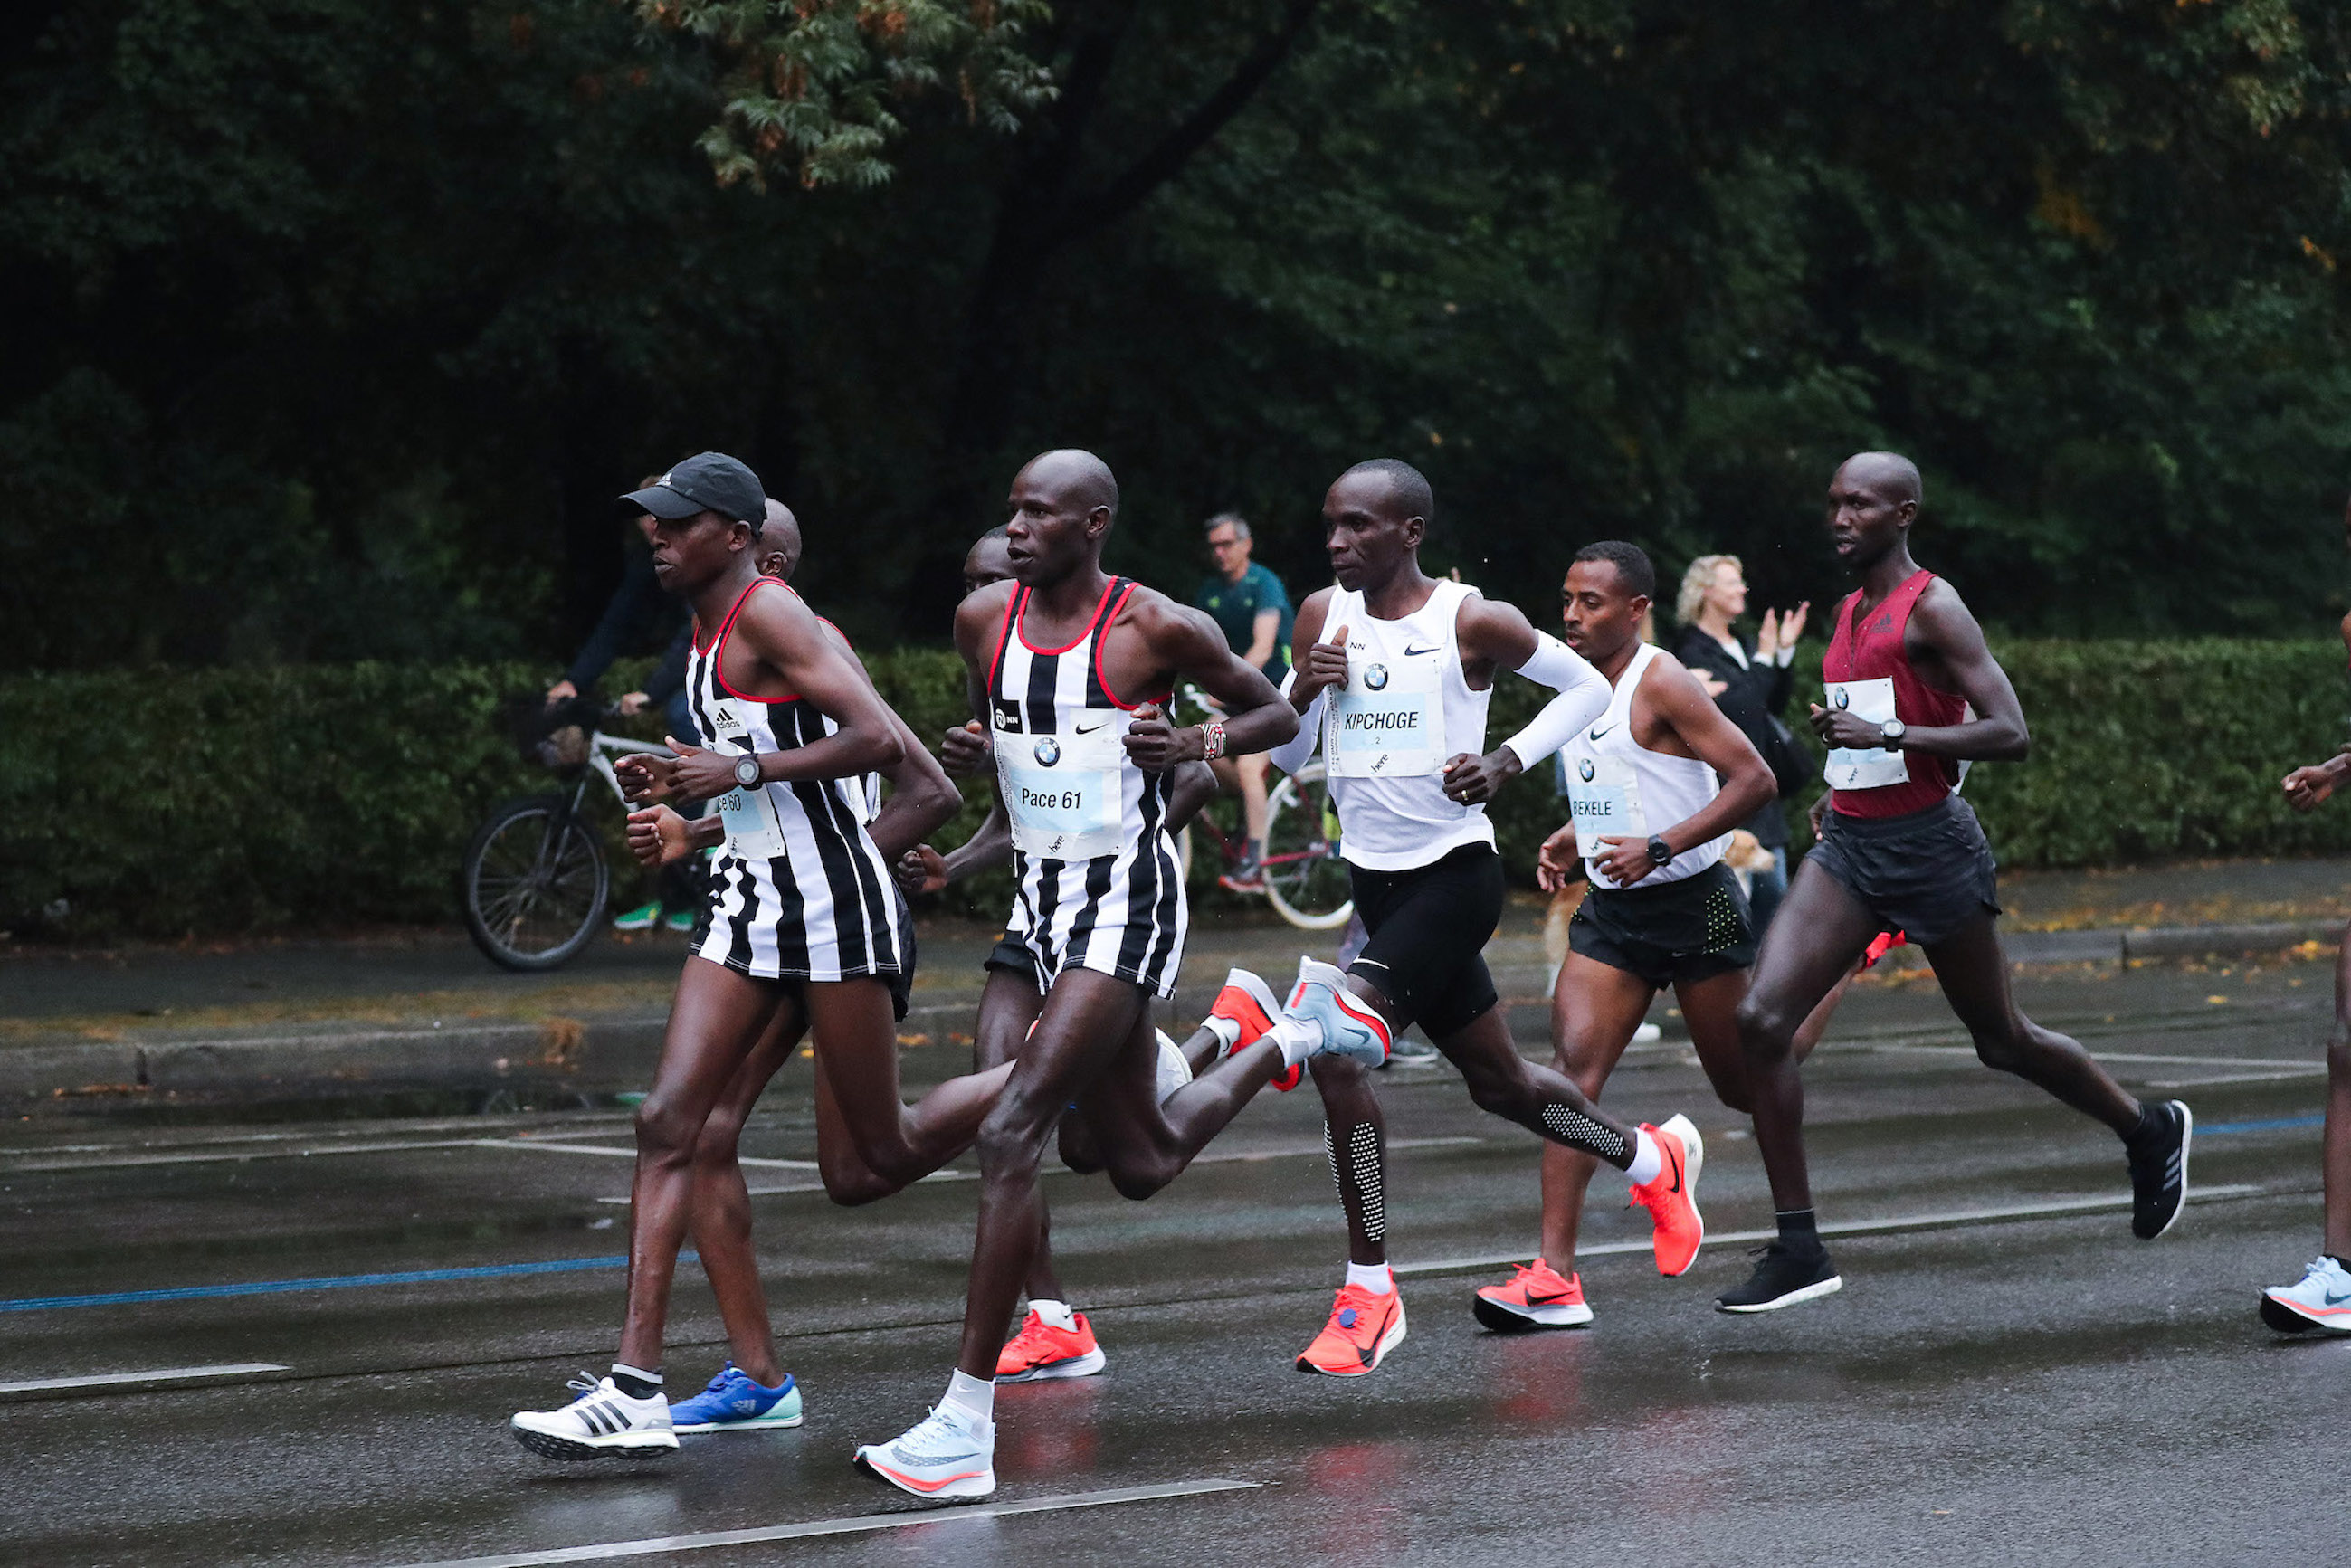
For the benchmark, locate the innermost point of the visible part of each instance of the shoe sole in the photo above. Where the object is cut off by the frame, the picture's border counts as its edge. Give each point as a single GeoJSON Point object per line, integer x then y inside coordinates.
{"type": "Point", "coordinates": [548, 1445]}
{"type": "Point", "coordinates": [2186, 1137]}
{"type": "Point", "coordinates": [1388, 1342]}
{"type": "Point", "coordinates": [753, 1424]}
{"type": "Point", "coordinates": [2287, 1318]}
{"type": "Point", "coordinates": [1828, 1287]}
{"type": "Point", "coordinates": [1084, 1366]}
{"type": "Point", "coordinates": [953, 1490]}
{"type": "Point", "coordinates": [1503, 1318]}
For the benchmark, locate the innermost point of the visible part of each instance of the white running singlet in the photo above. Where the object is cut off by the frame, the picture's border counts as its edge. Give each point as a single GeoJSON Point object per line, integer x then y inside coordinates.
{"type": "Point", "coordinates": [798, 891]}
{"type": "Point", "coordinates": [1405, 708]}
{"type": "Point", "coordinates": [1615, 788]}
{"type": "Point", "coordinates": [1100, 887]}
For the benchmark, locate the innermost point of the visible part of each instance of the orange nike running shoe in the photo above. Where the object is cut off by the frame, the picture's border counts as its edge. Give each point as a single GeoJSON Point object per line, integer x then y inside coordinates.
{"type": "Point", "coordinates": [1362, 1331]}
{"type": "Point", "coordinates": [1249, 1002]}
{"type": "Point", "coordinates": [1039, 1351]}
{"type": "Point", "coordinates": [1536, 1298]}
{"type": "Point", "coordinates": [1672, 1198]}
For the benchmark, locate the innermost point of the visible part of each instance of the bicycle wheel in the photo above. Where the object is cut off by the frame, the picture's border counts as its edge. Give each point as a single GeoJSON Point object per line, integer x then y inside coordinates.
{"type": "Point", "coordinates": [534, 883]}
{"type": "Point", "coordinates": [1305, 879]}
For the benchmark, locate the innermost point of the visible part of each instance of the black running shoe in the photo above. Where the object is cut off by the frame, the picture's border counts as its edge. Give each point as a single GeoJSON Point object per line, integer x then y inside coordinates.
{"type": "Point", "coordinates": [1782, 1278]}
{"type": "Point", "coordinates": [2158, 1169]}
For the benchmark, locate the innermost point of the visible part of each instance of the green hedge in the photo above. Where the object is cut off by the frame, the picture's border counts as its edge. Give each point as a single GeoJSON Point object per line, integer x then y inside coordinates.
{"type": "Point", "coordinates": [170, 802]}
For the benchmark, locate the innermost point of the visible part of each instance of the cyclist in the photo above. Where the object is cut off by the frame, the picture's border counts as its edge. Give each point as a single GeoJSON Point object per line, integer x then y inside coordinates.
{"type": "Point", "coordinates": [1251, 608]}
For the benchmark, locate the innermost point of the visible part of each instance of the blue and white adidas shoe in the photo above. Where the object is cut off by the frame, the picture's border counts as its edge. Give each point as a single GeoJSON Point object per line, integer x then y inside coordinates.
{"type": "Point", "coordinates": [732, 1403]}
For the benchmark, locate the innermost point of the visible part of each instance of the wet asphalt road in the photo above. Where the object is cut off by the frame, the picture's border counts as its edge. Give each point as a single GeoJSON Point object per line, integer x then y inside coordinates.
{"type": "Point", "coordinates": [2007, 1377]}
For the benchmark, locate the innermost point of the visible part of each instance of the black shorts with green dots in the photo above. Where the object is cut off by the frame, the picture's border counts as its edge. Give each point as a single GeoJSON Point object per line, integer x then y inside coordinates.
{"type": "Point", "coordinates": [1692, 929]}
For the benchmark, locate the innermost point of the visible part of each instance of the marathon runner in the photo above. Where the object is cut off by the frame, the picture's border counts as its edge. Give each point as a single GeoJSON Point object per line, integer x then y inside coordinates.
{"type": "Point", "coordinates": [1899, 851]}
{"type": "Point", "coordinates": [1068, 669]}
{"type": "Point", "coordinates": [1641, 774]}
{"type": "Point", "coordinates": [2322, 1299]}
{"type": "Point", "coordinates": [1055, 1340]}
{"type": "Point", "coordinates": [802, 916]}
{"type": "Point", "coordinates": [1393, 675]}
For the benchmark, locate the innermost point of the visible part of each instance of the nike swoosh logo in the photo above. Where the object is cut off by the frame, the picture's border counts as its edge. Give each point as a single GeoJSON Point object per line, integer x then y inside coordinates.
{"type": "Point", "coordinates": [2335, 1301]}
{"type": "Point", "coordinates": [1598, 733]}
{"type": "Point", "coordinates": [1082, 730]}
{"type": "Point", "coordinates": [1410, 652]}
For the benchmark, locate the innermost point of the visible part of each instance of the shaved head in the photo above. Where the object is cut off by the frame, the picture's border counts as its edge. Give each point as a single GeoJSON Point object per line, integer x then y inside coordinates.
{"type": "Point", "coordinates": [1408, 492]}
{"type": "Point", "coordinates": [779, 536]}
{"type": "Point", "coordinates": [1889, 473]}
{"type": "Point", "coordinates": [1076, 477]}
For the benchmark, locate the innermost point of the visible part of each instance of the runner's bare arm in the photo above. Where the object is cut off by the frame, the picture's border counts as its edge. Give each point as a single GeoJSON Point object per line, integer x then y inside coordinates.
{"type": "Point", "coordinates": [1498, 636]}
{"type": "Point", "coordinates": [1943, 640]}
{"type": "Point", "coordinates": [1674, 694]}
{"type": "Point", "coordinates": [1194, 786]}
{"type": "Point", "coordinates": [1191, 647]}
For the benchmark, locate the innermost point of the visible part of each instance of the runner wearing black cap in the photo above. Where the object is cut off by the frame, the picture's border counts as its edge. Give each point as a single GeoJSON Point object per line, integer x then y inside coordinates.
{"type": "Point", "coordinates": [802, 915]}
{"type": "Point", "coordinates": [1900, 850]}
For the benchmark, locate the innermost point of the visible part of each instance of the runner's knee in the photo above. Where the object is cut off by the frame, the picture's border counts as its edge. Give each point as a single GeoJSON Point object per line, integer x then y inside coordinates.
{"type": "Point", "coordinates": [714, 1146]}
{"type": "Point", "coordinates": [1767, 1028]}
{"type": "Point", "coordinates": [2002, 1048]}
{"type": "Point", "coordinates": [1079, 1150]}
{"type": "Point", "coordinates": [666, 1131]}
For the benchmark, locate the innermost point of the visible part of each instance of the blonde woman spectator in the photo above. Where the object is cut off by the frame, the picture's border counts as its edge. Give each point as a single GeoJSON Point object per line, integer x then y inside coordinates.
{"type": "Point", "coordinates": [1751, 680]}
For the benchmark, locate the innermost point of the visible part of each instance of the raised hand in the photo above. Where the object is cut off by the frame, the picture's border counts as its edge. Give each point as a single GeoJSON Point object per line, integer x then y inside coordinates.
{"type": "Point", "coordinates": [964, 752]}
{"type": "Point", "coordinates": [1624, 859]}
{"type": "Point", "coordinates": [1324, 666]}
{"type": "Point", "coordinates": [658, 835]}
{"type": "Point", "coordinates": [1766, 636]}
{"type": "Point", "coordinates": [1791, 623]}
{"type": "Point", "coordinates": [697, 774]}
{"type": "Point", "coordinates": [1154, 745]}
{"type": "Point", "coordinates": [920, 869]}
{"type": "Point", "coordinates": [1472, 780]}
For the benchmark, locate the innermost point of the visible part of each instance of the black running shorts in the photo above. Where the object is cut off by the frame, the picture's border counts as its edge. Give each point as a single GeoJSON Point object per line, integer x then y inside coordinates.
{"type": "Point", "coordinates": [1924, 875]}
{"type": "Point", "coordinates": [1428, 929]}
{"type": "Point", "coordinates": [1692, 929]}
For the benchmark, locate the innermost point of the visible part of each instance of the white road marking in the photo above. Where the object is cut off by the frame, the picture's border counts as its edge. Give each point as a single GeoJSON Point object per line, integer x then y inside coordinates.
{"type": "Point", "coordinates": [2317, 1071]}
{"type": "Point", "coordinates": [905, 1518]}
{"type": "Point", "coordinates": [625, 1152]}
{"type": "Point", "coordinates": [2047, 1208]}
{"type": "Point", "coordinates": [160, 1374]}
{"type": "Point", "coordinates": [1969, 1050]}
{"type": "Point", "coordinates": [41, 1162]}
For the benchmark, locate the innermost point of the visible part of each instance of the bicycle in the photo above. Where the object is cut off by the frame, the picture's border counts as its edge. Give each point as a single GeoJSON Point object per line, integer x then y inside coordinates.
{"type": "Point", "coordinates": [534, 882]}
{"type": "Point", "coordinates": [1305, 879]}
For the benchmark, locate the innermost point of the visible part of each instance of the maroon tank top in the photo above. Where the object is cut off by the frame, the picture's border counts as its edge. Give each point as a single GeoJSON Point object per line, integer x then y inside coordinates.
{"type": "Point", "coordinates": [1874, 651]}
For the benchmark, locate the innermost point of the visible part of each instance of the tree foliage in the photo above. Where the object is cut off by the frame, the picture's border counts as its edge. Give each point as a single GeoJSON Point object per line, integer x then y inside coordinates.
{"type": "Point", "coordinates": [337, 324]}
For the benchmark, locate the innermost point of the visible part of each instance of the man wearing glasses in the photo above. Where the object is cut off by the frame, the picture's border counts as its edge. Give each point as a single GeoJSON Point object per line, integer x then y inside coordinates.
{"type": "Point", "coordinates": [1251, 606]}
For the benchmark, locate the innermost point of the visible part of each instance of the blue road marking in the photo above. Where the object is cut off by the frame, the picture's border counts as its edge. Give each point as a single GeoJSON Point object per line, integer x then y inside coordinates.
{"type": "Point", "coordinates": [2212, 1129]}
{"type": "Point", "coordinates": [329, 1282]}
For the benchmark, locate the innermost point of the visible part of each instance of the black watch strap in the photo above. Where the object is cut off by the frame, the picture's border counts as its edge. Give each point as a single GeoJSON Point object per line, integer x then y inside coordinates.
{"type": "Point", "coordinates": [1660, 851]}
{"type": "Point", "coordinates": [746, 772]}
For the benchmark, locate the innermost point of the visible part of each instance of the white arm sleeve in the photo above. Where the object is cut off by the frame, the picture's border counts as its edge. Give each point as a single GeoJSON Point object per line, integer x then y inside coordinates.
{"type": "Point", "coordinates": [1583, 695]}
{"type": "Point", "coordinates": [1291, 754]}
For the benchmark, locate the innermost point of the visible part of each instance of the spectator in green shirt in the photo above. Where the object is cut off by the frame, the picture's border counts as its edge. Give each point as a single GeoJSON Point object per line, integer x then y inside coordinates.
{"type": "Point", "coordinates": [1249, 603]}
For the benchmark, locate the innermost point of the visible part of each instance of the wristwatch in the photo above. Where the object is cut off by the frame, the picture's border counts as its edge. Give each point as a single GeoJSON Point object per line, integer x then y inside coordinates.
{"type": "Point", "coordinates": [746, 772]}
{"type": "Point", "coordinates": [1892, 731]}
{"type": "Point", "coordinates": [1660, 852]}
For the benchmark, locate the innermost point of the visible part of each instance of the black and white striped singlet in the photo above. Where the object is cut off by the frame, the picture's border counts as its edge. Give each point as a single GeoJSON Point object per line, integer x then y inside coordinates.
{"type": "Point", "coordinates": [1100, 886]}
{"type": "Point", "coordinates": [799, 891]}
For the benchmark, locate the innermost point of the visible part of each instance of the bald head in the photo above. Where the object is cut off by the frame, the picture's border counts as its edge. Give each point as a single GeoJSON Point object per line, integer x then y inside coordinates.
{"type": "Point", "coordinates": [1077, 479]}
{"type": "Point", "coordinates": [1408, 493]}
{"type": "Point", "coordinates": [1888, 474]}
{"type": "Point", "coordinates": [779, 542]}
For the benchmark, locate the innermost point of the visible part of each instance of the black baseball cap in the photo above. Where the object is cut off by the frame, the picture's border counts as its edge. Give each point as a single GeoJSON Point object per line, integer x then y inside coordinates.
{"type": "Point", "coordinates": [708, 481]}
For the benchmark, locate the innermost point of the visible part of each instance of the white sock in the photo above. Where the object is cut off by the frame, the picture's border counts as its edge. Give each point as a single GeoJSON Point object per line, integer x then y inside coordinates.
{"type": "Point", "coordinates": [1057, 1313]}
{"type": "Point", "coordinates": [1372, 1277]}
{"type": "Point", "coordinates": [973, 1398]}
{"type": "Point", "coordinates": [1297, 1038]}
{"type": "Point", "coordinates": [1647, 1158]}
{"type": "Point", "coordinates": [1227, 1030]}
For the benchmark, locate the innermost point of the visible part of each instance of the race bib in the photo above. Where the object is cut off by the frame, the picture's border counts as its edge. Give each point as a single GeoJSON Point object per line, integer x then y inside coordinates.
{"type": "Point", "coordinates": [1875, 768]}
{"type": "Point", "coordinates": [1603, 796]}
{"type": "Point", "coordinates": [1062, 793]}
{"type": "Point", "coordinates": [1387, 723]}
{"type": "Point", "coordinates": [753, 829]}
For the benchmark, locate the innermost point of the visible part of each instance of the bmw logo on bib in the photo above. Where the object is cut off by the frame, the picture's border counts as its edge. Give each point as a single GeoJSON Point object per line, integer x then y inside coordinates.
{"type": "Point", "coordinates": [1048, 751]}
{"type": "Point", "coordinates": [1845, 699]}
{"type": "Point", "coordinates": [1584, 769]}
{"type": "Point", "coordinates": [1375, 678]}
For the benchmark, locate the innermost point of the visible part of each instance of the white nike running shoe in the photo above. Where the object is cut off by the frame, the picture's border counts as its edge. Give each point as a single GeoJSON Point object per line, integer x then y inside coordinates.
{"type": "Point", "coordinates": [945, 1455]}
{"type": "Point", "coordinates": [1350, 1027]}
{"type": "Point", "coordinates": [1174, 1068]}
{"type": "Point", "coordinates": [2322, 1300]}
{"type": "Point", "coordinates": [602, 1421]}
